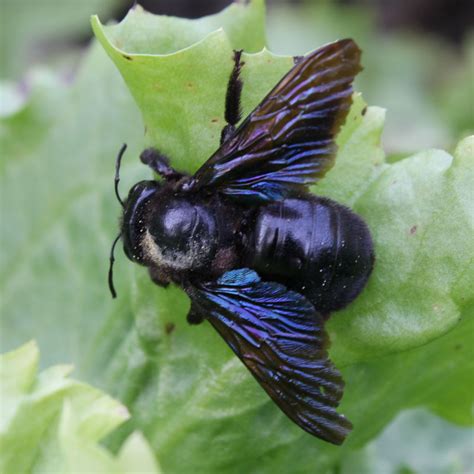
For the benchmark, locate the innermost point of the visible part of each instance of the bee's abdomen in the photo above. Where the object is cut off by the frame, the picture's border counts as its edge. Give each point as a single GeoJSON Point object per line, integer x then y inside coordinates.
{"type": "Point", "coordinates": [314, 246]}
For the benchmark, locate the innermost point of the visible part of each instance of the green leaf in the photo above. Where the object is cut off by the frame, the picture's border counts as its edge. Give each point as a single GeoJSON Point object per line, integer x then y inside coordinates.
{"type": "Point", "coordinates": [142, 47]}
{"type": "Point", "coordinates": [52, 423]}
{"type": "Point", "coordinates": [188, 394]}
{"type": "Point", "coordinates": [420, 286]}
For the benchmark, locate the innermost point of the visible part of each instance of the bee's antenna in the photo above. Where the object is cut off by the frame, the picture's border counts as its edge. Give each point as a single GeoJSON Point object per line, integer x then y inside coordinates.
{"type": "Point", "coordinates": [111, 266]}
{"type": "Point", "coordinates": [117, 173]}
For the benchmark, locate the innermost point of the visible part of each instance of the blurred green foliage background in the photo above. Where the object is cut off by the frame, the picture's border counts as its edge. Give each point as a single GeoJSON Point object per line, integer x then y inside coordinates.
{"type": "Point", "coordinates": [418, 55]}
{"type": "Point", "coordinates": [419, 64]}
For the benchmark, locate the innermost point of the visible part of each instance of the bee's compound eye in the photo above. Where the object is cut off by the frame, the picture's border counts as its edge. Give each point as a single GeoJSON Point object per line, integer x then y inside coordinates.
{"type": "Point", "coordinates": [135, 218]}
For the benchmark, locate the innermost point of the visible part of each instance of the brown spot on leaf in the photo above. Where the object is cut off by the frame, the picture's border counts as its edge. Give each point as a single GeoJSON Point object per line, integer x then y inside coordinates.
{"type": "Point", "coordinates": [129, 58]}
{"type": "Point", "coordinates": [413, 229]}
{"type": "Point", "coordinates": [364, 110]}
{"type": "Point", "coordinates": [170, 327]}
{"type": "Point", "coordinates": [215, 120]}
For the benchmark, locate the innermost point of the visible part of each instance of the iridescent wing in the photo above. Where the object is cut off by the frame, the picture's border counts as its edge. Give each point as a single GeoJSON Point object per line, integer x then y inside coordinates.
{"type": "Point", "coordinates": [287, 142]}
{"type": "Point", "coordinates": [280, 338]}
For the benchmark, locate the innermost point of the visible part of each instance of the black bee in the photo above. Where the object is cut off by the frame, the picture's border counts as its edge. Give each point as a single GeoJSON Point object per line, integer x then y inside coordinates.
{"type": "Point", "coordinates": [262, 259]}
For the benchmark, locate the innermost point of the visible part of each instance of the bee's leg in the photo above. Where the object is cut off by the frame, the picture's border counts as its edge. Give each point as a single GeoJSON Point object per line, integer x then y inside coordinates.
{"type": "Point", "coordinates": [159, 163]}
{"type": "Point", "coordinates": [232, 99]}
{"type": "Point", "coordinates": [194, 317]}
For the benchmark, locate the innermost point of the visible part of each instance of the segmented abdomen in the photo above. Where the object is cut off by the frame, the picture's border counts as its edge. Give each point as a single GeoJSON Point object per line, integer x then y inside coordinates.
{"type": "Point", "coordinates": [315, 246]}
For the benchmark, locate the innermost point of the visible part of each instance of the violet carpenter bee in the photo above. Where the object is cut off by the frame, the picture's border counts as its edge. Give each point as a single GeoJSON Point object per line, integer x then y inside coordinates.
{"type": "Point", "coordinates": [262, 259]}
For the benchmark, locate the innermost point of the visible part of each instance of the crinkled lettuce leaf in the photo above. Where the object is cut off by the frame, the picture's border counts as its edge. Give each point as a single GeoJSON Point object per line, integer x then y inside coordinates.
{"type": "Point", "coordinates": [52, 423]}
